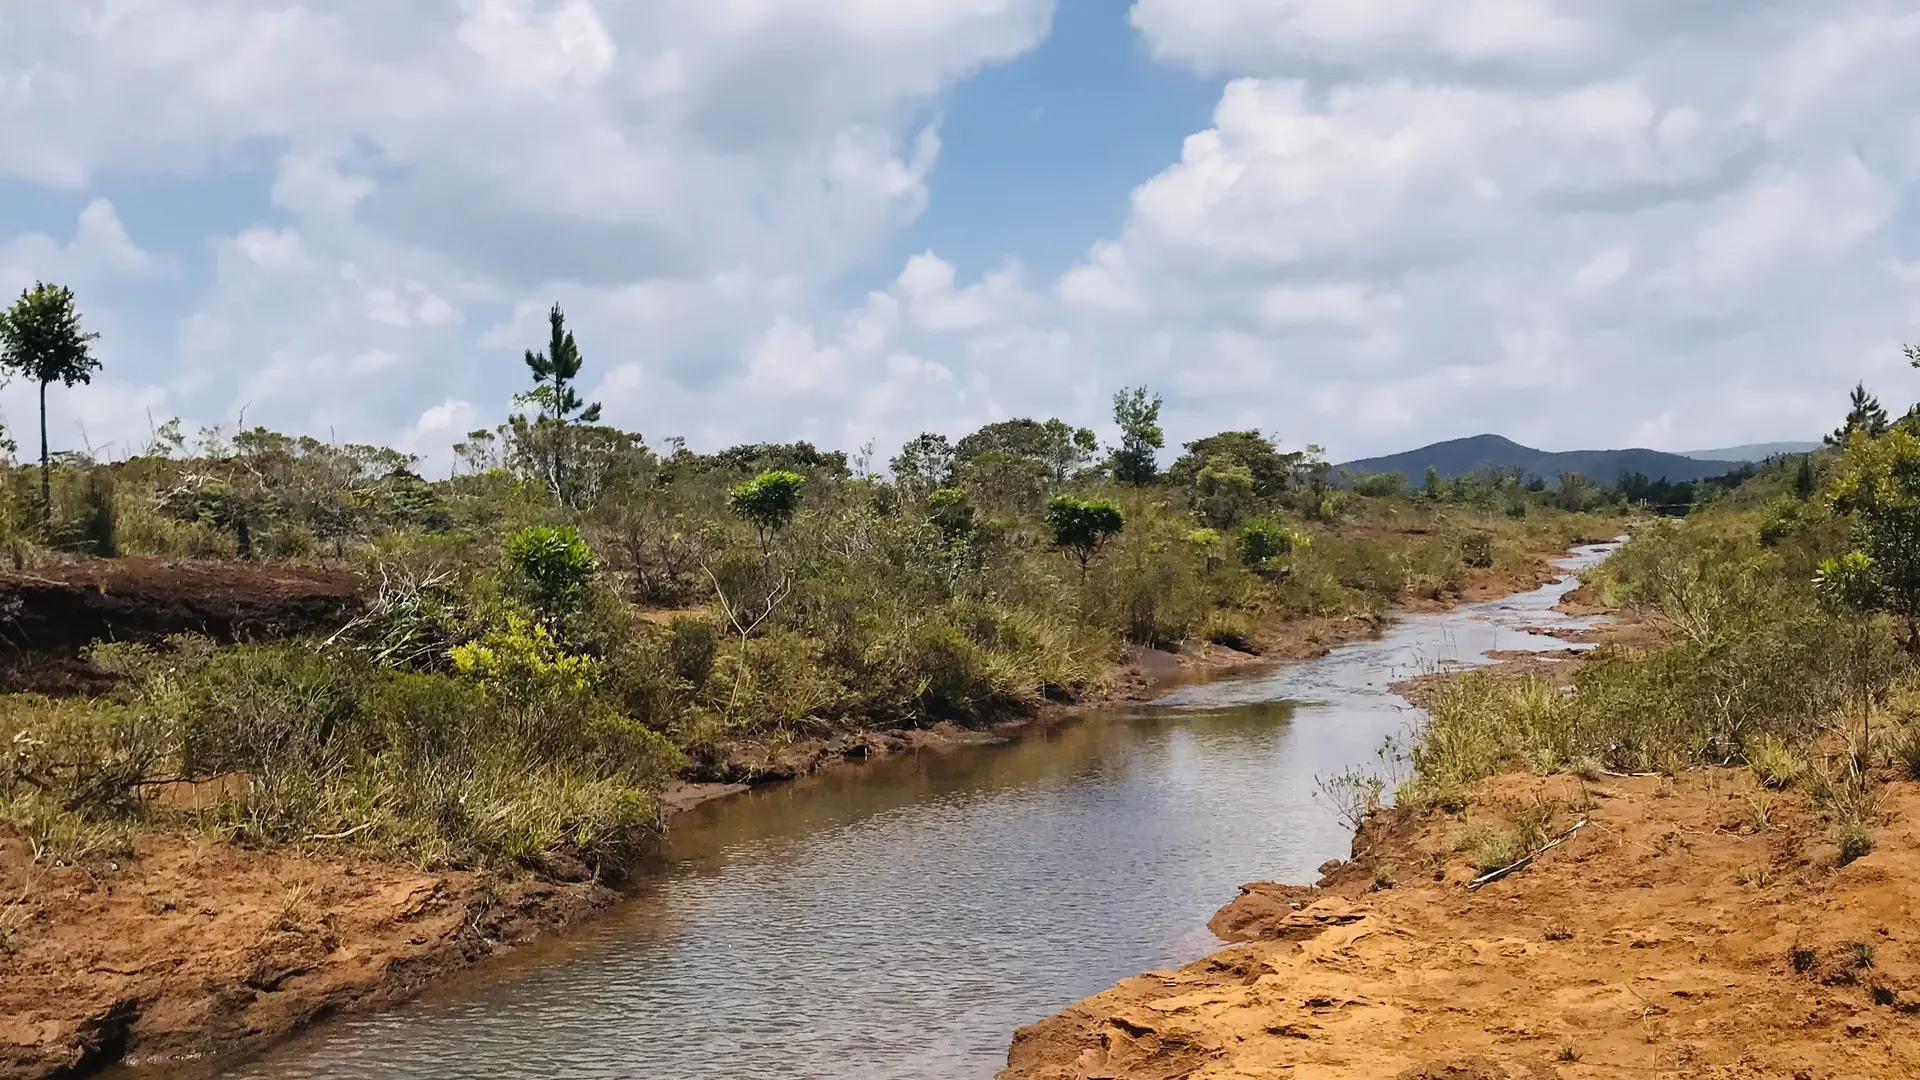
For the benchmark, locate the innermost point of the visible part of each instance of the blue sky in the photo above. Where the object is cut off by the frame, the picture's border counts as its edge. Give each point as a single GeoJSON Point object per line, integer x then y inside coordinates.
{"type": "Point", "coordinates": [1040, 154]}
{"type": "Point", "coordinates": [1353, 222]}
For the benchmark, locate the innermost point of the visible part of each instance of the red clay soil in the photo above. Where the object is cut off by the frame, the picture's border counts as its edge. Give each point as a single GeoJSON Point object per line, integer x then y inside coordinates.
{"type": "Point", "coordinates": [1696, 928]}
{"type": "Point", "coordinates": [195, 947]}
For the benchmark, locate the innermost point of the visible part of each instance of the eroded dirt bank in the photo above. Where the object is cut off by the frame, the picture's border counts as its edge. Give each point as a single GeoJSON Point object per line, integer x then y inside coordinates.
{"type": "Point", "coordinates": [194, 951]}
{"type": "Point", "coordinates": [196, 946]}
{"type": "Point", "coordinates": [1699, 926]}
{"type": "Point", "coordinates": [1673, 935]}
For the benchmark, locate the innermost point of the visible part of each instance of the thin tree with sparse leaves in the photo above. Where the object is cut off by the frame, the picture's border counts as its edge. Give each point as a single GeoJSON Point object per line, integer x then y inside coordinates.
{"type": "Point", "coordinates": [41, 339]}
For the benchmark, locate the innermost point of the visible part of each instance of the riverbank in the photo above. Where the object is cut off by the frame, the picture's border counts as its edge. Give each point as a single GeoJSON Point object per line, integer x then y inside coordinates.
{"type": "Point", "coordinates": [1691, 925]}
{"type": "Point", "coordinates": [1679, 931]}
{"type": "Point", "coordinates": [125, 957]}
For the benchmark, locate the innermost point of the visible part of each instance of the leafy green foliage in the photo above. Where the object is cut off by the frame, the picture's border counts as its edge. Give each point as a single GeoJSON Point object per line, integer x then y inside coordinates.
{"type": "Point", "coordinates": [1382, 485]}
{"type": "Point", "coordinates": [768, 501]}
{"type": "Point", "coordinates": [1138, 416]}
{"type": "Point", "coordinates": [555, 563]}
{"type": "Point", "coordinates": [1267, 547]}
{"type": "Point", "coordinates": [41, 339]}
{"type": "Point", "coordinates": [1224, 493]}
{"type": "Point", "coordinates": [1057, 450]}
{"type": "Point", "coordinates": [1271, 471]}
{"type": "Point", "coordinates": [925, 463]}
{"type": "Point", "coordinates": [952, 513]}
{"type": "Point", "coordinates": [1878, 484]}
{"type": "Point", "coordinates": [1081, 527]}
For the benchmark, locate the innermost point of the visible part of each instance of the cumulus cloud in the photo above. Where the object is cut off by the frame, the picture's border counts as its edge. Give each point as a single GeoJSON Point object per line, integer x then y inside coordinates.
{"type": "Point", "coordinates": [1408, 219]}
{"type": "Point", "coordinates": [1415, 219]}
{"type": "Point", "coordinates": [687, 177]}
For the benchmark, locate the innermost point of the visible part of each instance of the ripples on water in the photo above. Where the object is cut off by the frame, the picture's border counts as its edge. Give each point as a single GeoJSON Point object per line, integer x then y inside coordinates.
{"type": "Point", "coordinates": [901, 919]}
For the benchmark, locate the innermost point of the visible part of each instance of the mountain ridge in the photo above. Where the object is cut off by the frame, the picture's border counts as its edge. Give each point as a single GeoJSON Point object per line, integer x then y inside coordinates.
{"type": "Point", "coordinates": [1460, 457]}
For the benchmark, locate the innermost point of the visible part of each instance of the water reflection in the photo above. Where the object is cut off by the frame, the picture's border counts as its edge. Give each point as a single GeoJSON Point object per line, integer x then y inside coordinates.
{"type": "Point", "coordinates": [901, 919]}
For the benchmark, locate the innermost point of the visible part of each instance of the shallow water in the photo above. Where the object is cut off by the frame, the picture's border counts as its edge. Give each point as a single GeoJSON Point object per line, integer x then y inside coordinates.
{"type": "Point", "coordinates": [902, 918]}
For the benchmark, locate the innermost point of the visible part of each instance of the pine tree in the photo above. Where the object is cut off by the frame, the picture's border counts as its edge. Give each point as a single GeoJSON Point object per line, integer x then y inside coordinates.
{"type": "Point", "coordinates": [1864, 414]}
{"type": "Point", "coordinates": [553, 373]}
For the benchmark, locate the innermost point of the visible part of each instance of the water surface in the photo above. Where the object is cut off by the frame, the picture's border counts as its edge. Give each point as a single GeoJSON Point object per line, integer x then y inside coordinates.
{"type": "Point", "coordinates": [901, 919]}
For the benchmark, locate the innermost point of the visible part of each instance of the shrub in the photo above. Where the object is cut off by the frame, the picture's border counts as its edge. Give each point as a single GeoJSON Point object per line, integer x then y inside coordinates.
{"type": "Point", "coordinates": [1476, 550]}
{"type": "Point", "coordinates": [1229, 628]}
{"type": "Point", "coordinates": [523, 659]}
{"type": "Point", "coordinates": [1380, 485]}
{"type": "Point", "coordinates": [692, 645]}
{"type": "Point", "coordinates": [1267, 547]}
{"type": "Point", "coordinates": [1081, 527]}
{"type": "Point", "coordinates": [1774, 763]}
{"type": "Point", "coordinates": [555, 563]}
{"type": "Point", "coordinates": [768, 501]}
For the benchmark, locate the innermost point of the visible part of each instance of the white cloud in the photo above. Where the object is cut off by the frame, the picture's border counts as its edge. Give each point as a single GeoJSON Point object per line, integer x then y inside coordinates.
{"type": "Point", "coordinates": [100, 251]}
{"type": "Point", "coordinates": [1409, 219]}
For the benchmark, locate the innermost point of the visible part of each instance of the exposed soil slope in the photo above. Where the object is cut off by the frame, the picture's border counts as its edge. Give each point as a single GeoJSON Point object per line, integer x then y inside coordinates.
{"type": "Point", "coordinates": [196, 946]}
{"type": "Point", "coordinates": [1672, 935]}
{"type": "Point", "coordinates": [48, 615]}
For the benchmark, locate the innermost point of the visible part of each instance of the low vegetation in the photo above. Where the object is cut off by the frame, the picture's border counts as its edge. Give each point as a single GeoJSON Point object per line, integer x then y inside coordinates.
{"type": "Point", "coordinates": [574, 616]}
{"type": "Point", "coordinates": [1786, 611]}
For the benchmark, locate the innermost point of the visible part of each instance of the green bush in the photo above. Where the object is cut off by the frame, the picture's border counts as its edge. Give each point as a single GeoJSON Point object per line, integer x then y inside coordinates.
{"type": "Point", "coordinates": [1476, 550]}
{"type": "Point", "coordinates": [693, 645]}
{"type": "Point", "coordinates": [1268, 547]}
{"type": "Point", "coordinates": [555, 564]}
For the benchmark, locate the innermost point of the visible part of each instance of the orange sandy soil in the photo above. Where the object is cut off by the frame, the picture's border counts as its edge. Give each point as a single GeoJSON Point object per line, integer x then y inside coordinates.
{"type": "Point", "coordinates": [193, 951]}
{"type": "Point", "coordinates": [195, 946]}
{"type": "Point", "coordinates": [1673, 936]}
{"type": "Point", "coordinates": [1696, 926]}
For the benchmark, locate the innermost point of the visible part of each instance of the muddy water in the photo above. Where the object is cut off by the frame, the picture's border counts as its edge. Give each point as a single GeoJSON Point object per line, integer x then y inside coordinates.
{"type": "Point", "coordinates": [900, 920]}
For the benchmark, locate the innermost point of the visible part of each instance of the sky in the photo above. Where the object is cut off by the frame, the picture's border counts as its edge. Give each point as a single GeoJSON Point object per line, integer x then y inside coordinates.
{"type": "Point", "coordinates": [1367, 224]}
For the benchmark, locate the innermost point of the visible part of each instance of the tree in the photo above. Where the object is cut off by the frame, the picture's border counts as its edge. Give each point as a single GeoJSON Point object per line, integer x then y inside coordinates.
{"type": "Point", "coordinates": [1803, 480]}
{"type": "Point", "coordinates": [1224, 493]}
{"type": "Point", "coordinates": [553, 396]}
{"type": "Point", "coordinates": [1138, 415]}
{"type": "Point", "coordinates": [1081, 527]}
{"type": "Point", "coordinates": [1878, 484]}
{"type": "Point", "coordinates": [769, 501]}
{"type": "Point", "coordinates": [41, 339]}
{"type": "Point", "coordinates": [925, 463]}
{"type": "Point", "coordinates": [1272, 470]}
{"type": "Point", "coordinates": [1863, 414]}
{"type": "Point", "coordinates": [1059, 448]}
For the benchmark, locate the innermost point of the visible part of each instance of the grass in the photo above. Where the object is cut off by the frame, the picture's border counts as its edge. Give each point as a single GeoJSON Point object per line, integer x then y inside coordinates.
{"type": "Point", "coordinates": [1755, 668]}
{"type": "Point", "coordinates": [514, 687]}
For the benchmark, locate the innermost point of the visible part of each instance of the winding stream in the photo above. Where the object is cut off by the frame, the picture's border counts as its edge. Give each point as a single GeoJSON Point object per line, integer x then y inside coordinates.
{"type": "Point", "coordinates": [901, 919]}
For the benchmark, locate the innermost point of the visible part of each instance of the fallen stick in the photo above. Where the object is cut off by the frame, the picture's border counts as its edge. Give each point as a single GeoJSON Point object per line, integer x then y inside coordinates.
{"type": "Point", "coordinates": [1492, 876]}
{"type": "Point", "coordinates": [355, 829]}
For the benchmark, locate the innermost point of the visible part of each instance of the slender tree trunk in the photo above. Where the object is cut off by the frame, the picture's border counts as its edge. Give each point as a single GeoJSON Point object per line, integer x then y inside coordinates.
{"type": "Point", "coordinates": [46, 477]}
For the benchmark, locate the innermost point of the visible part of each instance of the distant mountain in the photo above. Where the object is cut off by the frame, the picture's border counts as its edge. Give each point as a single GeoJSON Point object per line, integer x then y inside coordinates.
{"type": "Point", "coordinates": [1752, 451]}
{"type": "Point", "coordinates": [1462, 456]}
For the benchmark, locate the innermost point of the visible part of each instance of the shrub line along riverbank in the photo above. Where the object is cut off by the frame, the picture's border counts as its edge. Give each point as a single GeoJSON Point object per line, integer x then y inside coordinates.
{"type": "Point", "coordinates": [195, 951]}
{"type": "Point", "coordinates": [1668, 911]}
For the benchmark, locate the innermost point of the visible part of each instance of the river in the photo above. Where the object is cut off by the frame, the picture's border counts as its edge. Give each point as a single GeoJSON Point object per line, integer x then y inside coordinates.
{"type": "Point", "coordinates": [900, 919]}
